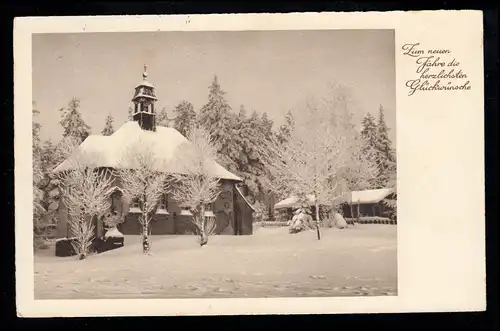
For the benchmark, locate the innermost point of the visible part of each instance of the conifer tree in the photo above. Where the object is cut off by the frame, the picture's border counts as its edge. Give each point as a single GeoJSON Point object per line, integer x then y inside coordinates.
{"type": "Point", "coordinates": [369, 131]}
{"type": "Point", "coordinates": [162, 118]}
{"type": "Point", "coordinates": [286, 128]}
{"type": "Point", "coordinates": [386, 159]}
{"type": "Point", "coordinates": [108, 126]}
{"type": "Point", "coordinates": [38, 209]}
{"type": "Point", "coordinates": [242, 137]}
{"type": "Point", "coordinates": [130, 114]}
{"type": "Point", "coordinates": [72, 121]}
{"type": "Point", "coordinates": [215, 116]}
{"type": "Point", "coordinates": [185, 117]}
{"type": "Point", "coordinates": [267, 125]}
{"type": "Point", "coordinates": [254, 144]}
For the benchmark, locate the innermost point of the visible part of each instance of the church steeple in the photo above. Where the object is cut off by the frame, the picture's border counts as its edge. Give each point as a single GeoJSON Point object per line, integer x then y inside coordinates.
{"type": "Point", "coordinates": [144, 103]}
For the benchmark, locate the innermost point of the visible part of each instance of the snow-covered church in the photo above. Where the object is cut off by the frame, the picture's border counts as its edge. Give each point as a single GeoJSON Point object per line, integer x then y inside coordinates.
{"type": "Point", "coordinates": [232, 211]}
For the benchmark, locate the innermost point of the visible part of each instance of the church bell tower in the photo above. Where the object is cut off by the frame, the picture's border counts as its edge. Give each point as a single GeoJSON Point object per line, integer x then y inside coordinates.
{"type": "Point", "coordinates": [144, 104]}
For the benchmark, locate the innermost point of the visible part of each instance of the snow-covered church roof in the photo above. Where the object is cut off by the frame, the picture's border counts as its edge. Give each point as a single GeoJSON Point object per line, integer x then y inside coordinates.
{"type": "Point", "coordinates": [110, 151]}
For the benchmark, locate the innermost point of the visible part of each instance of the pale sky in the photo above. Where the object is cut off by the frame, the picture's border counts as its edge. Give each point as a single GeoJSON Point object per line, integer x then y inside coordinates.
{"type": "Point", "coordinates": [267, 71]}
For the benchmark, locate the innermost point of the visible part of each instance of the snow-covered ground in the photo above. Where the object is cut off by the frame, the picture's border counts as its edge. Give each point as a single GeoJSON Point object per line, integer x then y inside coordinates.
{"type": "Point", "coordinates": [360, 260]}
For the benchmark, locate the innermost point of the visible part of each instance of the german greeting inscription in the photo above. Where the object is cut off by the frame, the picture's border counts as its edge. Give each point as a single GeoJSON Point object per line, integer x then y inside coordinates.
{"type": "Point", "coordinates": [436, 70]}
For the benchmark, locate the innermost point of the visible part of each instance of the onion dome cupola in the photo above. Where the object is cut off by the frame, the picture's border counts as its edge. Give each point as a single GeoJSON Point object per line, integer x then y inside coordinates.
{"type": "Point", "coordinates": [144, 103]}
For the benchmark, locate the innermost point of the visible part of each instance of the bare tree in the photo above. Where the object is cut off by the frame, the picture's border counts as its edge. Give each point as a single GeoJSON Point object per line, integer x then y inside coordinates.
{"type": "Point", "coordinates": [195, 184]}
{"type": "Point", "coordinates": [309, 162]}
{"type": "Point", "coordinates": [143, 180]}
{"type": "Point", "coordinates": [86, 191]}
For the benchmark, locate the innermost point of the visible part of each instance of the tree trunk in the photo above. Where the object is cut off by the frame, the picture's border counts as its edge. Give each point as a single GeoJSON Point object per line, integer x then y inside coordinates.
{"type": "Point", "coordinates": [203, 233]}
{"type": "Point", "coordinates": [317, 220]}
{"type": "Point", "coordinates": [357, 216]}
{"type": "Point", "coordinates": [145, 239]}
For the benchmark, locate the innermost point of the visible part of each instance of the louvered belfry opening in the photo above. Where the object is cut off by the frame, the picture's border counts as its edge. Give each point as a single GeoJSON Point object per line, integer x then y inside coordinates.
{"type": "Point", "coordinates": [144, 104]}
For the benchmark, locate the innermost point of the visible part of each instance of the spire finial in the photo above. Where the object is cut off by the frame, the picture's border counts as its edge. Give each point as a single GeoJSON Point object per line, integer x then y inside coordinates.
{"type": "Point", "coordinates": [145, 73]}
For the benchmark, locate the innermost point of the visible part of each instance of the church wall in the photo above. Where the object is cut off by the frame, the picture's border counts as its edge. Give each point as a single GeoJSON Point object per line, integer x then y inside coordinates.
{"type": "Point", "coordinates": [246, 227]}
{"type": "Point", "coordinates": [163, 224]}
{"type": "Point", "coordinates": [62, 224]}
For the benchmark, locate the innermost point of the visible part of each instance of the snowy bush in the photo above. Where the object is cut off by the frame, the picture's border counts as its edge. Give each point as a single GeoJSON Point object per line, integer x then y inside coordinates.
{"type": "Point", "coordinates": [113, 233]}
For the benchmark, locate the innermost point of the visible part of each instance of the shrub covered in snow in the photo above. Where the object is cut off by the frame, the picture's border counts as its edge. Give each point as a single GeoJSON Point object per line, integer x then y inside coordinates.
{"type": "Point", "coordinates": [113, 233]}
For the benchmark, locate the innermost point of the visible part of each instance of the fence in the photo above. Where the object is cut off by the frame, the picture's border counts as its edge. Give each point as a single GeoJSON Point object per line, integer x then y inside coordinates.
{"type": "Point", "coordinates": [271, 224]}
{"type": "Point", "coordinates": [371, 220]}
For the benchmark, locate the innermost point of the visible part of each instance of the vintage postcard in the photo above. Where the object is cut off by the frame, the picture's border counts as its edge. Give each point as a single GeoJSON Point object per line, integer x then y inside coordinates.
{"type": "Point", "coordinates": [304, 163]}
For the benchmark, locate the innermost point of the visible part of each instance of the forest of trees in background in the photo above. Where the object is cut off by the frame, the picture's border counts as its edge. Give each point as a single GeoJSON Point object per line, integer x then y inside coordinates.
{"type": "Point", "coordinates": [241, 137]}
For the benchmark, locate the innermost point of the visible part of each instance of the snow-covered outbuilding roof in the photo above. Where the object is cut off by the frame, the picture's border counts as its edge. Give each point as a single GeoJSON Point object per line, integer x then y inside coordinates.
{"type": "Point", "coordinates": [361, 197]}
{"type": "Point", "coordinates": [365, 196]}
{"type": "Point", "coordinates": [110, 151]}
{"type": "Point", "coordinates": [293, 202]}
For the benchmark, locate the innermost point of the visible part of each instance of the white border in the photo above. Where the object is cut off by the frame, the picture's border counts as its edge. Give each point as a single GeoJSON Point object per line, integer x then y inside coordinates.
{"type": "Point", "coordinates": [441, 263]}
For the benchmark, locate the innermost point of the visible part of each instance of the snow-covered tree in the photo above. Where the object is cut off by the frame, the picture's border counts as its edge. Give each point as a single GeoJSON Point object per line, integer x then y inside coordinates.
{"type": "Point", "coordinates": [267, 125]}
{"type": "Point", "coordinates": [242, 139]}
{"type": "Point", "coordinates": [184, 117]}
{"type": "Point", "coordinates": [86, 191]}
{"type": "Point", "coordinates": [108, 129]}
{"type": "Point", "coordinates": [130, 114]}
{"type": "Point", "coordinates": [49, 185]}
{"type": "Point", "coordinates": [252, 142]}
{"type": "Point", "coordinates": [286, 128]}
{"type": "Point", "coordinates": [360, 171]}
{"type": "Point", "coordinates": [386, 156]}
{"type": "Point", "coordinates": [369, 131]}
{"type": "Point", "coordinates": [143, 181]}
{"type": "Point", "coordinates": [72, 121]}
{"type": "Point", "coordinates": [162, 118]}
{"type": "Point", "coordinates": [38, 209]}
{"type": "Point", "coordinates": [369, 141]}
{"type": "Point", "coordinates": [195, 184]}
{"type": "Point", "coordinates": [215, 117]}
{"type": "Point", "coordinates": [308, 163]}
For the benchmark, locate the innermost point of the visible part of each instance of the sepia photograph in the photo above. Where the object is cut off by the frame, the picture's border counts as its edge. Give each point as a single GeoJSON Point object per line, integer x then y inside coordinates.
{"type": "Point", "coordinates": [214, 164]}
{"type": "Point", "coordinates": [248, 164]}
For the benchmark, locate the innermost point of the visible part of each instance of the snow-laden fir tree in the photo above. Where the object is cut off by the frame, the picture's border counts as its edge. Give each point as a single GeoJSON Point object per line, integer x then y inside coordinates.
{"type": "Point", "coordinates": [286, 128]}
{"type": "Point", "coordinates": [38, 210]}
{"type": "Point", "coordinates": [242, 138]}
{"type": "Point", "coordinates": [72, 121]}
{"type": "Point", "coordinates": [215, 116]}
{"type": "Point", "coordinates": [142, 180]}
{"type": "Point", "coordinates": [195, 186]}
{"type": "Point", "coordinates": [250, 139]}
{"type": "Point", "coordinates": [267, 125]}
{"type": "Point", "coordinates": [369, 135]}
{"type": "Point", "coordinates": [49, 184]}
{"type": "Point", "coordinates": [369, 131]}
{"type": "Point", "coordinates": [265, 194]}
{"type": "Point", "coordinates": [185, 116]}
{"type": "Point", "coordinates": [108, 129]}
{"type": "Point", "coordinates": [130, 114]}
{"type": "Point", "coordinates": [386, 157]}
{"type": "Point", "coordinates": [162, 118]}
{"type": "Point", "coordinates": [86, 191]}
